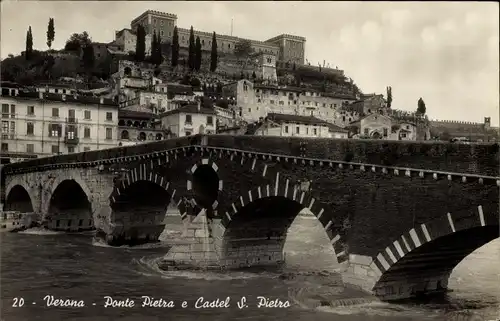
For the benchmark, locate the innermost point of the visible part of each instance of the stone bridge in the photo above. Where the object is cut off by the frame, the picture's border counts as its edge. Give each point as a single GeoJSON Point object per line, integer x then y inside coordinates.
{"type": "Point", "coordinates": [399, 215]}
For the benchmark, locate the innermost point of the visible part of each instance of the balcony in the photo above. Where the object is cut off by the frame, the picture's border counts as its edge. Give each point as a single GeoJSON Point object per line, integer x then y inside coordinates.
{"type": "Point", "coordinates": [71, 120]}
{"type": "Point", "coordinates": [71, 140]}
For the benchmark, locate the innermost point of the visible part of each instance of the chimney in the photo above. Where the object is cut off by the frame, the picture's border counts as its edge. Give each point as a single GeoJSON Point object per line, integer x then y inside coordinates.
{"type": "Point", "coordinates": [199, 105]}
{"type": "Point", "coordinates": [101, 100]}
{"type": "Point", "coordinates": [40, 94]}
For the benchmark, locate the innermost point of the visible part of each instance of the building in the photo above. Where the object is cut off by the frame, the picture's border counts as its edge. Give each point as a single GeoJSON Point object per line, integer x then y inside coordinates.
{"type": "Point", "coordinates": [255, 101]}
{"type": "Point", "coordinates": [404, 130]}
{"type": "Point", "coordinates": [375, 126]}
{"type": "Point", "coordinates": [37, 124]}
{"type": "Point", "coordinates": [288, 47]}
{"type": "Point", "coordinates": [293, 126]}
{"type": "Point", "coordinates": [126, 39]}
{"type": "Point", "coordinates": [189, 120]}
{"type": "Point", "coordinates": [138, 125]}
{"type": "Point", "coordinates": [266, 67]}
{"type": "Point", "coordinates": [291, 48]}
{"type": "Point", "coordinates": [369, 104]}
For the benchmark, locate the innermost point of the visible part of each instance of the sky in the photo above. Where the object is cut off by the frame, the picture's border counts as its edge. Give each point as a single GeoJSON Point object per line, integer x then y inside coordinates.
{"type": "Point", "coordinates": [445, 52]}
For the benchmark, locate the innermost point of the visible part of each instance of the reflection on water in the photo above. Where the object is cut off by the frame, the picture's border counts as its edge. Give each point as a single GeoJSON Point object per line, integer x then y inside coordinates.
{"type": "Point", "coordinates": [39, 262]}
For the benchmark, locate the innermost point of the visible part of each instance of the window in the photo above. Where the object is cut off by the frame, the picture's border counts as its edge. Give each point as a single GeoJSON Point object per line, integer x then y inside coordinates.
{"type": "Point", "coordinates": [55, 112]}
{"type": "Point", "coordinates": [366, 131]}
{"type": "Point", "coordinates": [297, 130]}
{"type": "Point", "coordinates": [30, 148]}
{"type": "Point", "coordinates": [12, 111]}
{"type": "Point", "coordinates": [54, 130]}
{"type": "Point", "coordinates": [5, 147]}
{"type": "Point", "coordinates": [109, 116]}
{"type": "Point", "coordinates": [286, 129]}
{"type": "Point", "coordinates": [5, 110]}
{"type": "Point", "coordinates": [307, 130]}
{"type": "Point", "coordinates": [55, 149]}
{"type": "Point", "coordinates": [86, 149]}
{"type": "Point", "coordinates": [271, 102]}
{"type": "Point", "coordinates": [70, 131]}
{"type": "Point", "coordinates": [249, 110]}
{"type": "Point", "coordinates": [385, 132]}
{"type": "Point", "coordinates": [281, 102]}
{"type": "Point", "coordinates": [203, 42]}
{"type": "Point", "coordinates": [154, 21]}
{"type": "Point", "coordinates": [71, 115]}
{"type": "Point", "coordinates": [5, 127]}
{"type": "Point", "coordinates": [109, 133]}
{"type": "Point", "coordinates": [30, 129]}
{"type": "Point", "coordinates": [188, 119]}
{"type": "Point", "coordinates": [315, 131]}
{"type": "Point", "coordinates": [71, 149]}
{"type": "Point", "coordinates": [210, 120]}
{"type": "Point", "coordinates": [12, 127]}
{"type": "Point", "coordinates": [87, 114]}
{"type": "Point", "coordinates": [162, 33]}
{"type": "Point", "coordinates": [31, 110]}
{"type": "Point", "coordinates": [258, 100]}
{"type": "Point", "coordinates": [86, 132]}
{"type": "Point", "coordinates": [188, 133]}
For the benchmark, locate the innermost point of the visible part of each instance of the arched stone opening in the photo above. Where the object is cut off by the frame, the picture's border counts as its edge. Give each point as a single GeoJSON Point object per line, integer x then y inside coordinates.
{"type": "Point", "coordinates": [19, 200]}
{"type": "Point", "coordinates": [69, 208]}
{"type": "Point", "coordinates": [159, 136]}
{"type": "Point", "coordinates": [140, 208]}
{"type": "Point", "coordinates": [121, 122]}
{"type": "Point", "coordinates": [127, 71]}
{"type": "Point", "coordinates": [206, 187]}
{"type": "Point", "coordinates": [420, 262]}
{"type": "Point", "coordinates": [256, 235]}
{"type": "Point", "coordinates": [142, 136]}
{"type": "Point", "coordinates": [125, 134]}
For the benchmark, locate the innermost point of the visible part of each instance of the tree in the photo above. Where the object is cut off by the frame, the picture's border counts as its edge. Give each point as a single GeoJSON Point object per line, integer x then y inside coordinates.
{"type": "Point", "coordinates": [192, 50]}
{"type": "Point", "coordinates": [29, 44]}
{"type": "Point", "coordinates": [421, 107]}
{"type": "Point", "coordinates": [243, 48]}
{"type": "Point", "coordinates": [213, 54]}
{"type": "Point", "coordinates": [78, 41]}
{"type": "Point", "coordinates": [140, 45]}
{"type": "Point", "coordinates": [154, 49]}
{"type": "Point", "coordinates": [198, 54]}
{"type": "Point", "coordinates": [389, 96]}
{"type": "Point", "coordinates": [175, 48]}
{"type": "Point", "coordinates": [159, 50]}
{"type": "Point", "coordinates": [50, 33]}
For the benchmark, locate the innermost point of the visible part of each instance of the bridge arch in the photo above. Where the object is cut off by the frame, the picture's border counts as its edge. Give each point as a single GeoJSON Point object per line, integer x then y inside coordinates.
{"type": "Point", "coordinates": [140, 201]}
{"type": "Point", "coordinates": [205, 184]}
{"type": "Point", "coordinates": [422, 259]}
{"type": "Point", "coordinates": [69, 207]}
{"type": "Point", "coordinates": [19, 197]}
{"type": "Point", "coordinates": [262, 216]}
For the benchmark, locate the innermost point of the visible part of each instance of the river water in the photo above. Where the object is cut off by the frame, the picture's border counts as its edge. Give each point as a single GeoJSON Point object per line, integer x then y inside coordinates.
{"type": "Point", "coordinates": [36, 263]}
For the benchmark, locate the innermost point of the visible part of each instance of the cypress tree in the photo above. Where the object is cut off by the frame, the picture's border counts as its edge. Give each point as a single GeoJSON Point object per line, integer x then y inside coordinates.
{"type": "Point", "coordinates": [29, 44]}
{"type": "Point", "coordinates": [159, 49]}
{"type": "Point", "coordinates": [175, 48]}
{"type": "Point", "coordinates": [198, 54]}
{"type": "Point", "coordinates": [140, 45]}
{"type": "Point", "coordinates": [191, 58]}
{"type": "Point", "coordinates": [50, 33]}
{"type": "Point", "coordinates": [213, 54]}
{"type": "Point", "coordinates": [154, 49]}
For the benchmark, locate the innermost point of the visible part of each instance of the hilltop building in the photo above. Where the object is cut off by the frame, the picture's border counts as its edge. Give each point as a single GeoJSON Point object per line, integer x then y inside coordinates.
{"type": "Point", "coordinates": [37, 124]}
{"type": "Point", "coordinates": [285, 47]}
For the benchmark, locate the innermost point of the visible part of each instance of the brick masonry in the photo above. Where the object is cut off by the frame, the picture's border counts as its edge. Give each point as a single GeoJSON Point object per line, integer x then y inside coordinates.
{"type": "Point", "coordinates": [379, 202]}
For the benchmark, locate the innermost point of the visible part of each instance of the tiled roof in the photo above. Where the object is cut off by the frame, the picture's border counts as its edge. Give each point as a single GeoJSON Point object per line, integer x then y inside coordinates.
{"type": "Point", "coordinates": [190, 109]}
{"type": "Point", "coordinates": [65, 98]}
{"type": "Point", "coordinates": [336, 129]}
{"type": "Point", "coordinates": [286, 118]}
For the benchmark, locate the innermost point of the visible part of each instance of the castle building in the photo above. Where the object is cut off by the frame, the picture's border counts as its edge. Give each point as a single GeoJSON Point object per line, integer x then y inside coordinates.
{"type": "Point", "coordinates": [286, 47]}
{"type": "Point", "coordinates": [37, 124]}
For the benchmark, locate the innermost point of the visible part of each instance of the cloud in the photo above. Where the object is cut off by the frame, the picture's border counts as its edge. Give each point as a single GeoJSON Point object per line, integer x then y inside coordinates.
{"type": "Point", "coordinates": [445, 52]}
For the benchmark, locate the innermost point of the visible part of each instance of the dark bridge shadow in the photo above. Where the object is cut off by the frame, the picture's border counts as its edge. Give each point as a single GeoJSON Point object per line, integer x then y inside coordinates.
{"type": "Point", "coordinates": [257, 234]}
{"type": "Point", "coordinates": [139, 212]}
{"type": "Point", "coordinates": [425, 270]}
{"type": "Point", "coordinates": [18, 200]}
{"type": "Point", "coordinates": [69, 208]}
